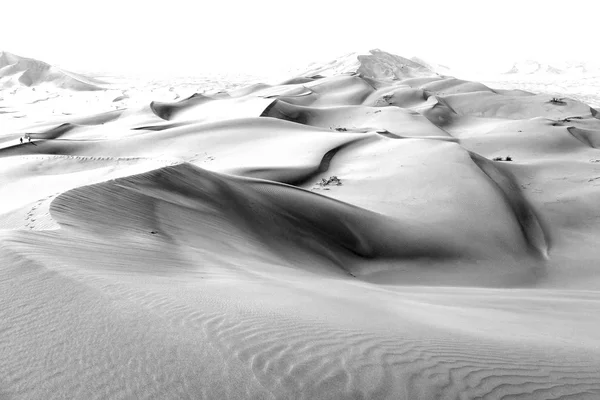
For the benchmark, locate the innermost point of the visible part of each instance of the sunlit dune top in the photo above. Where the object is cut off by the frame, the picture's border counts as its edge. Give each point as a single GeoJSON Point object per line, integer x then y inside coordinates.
{"type": "Point", "coordinates": [376, 64]}
{"type": "Point", "coordinates": [22, 71]}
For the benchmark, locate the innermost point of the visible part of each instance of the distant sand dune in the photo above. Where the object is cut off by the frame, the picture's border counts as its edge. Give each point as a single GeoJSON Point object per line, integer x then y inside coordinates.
{"type": "Point", "coordinates": [589, 137]}
{"type": "Point", "coordinates": [485, 104]}
{"type": "Point", "coordinates": [356, 118]}
{"type": "Point", "coordinates": [366, 230]}
{"type": "Point", "coordinates": [401, 96]}
{"type": "Point", "coordinates": [16, 70]}
{"type": "Point", "coordinates": [454, 86]}
{"type": "Point", "coordinates": [205, 109]}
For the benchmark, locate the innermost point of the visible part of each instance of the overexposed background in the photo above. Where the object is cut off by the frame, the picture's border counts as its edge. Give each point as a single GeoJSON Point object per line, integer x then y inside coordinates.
{"type": "Point", "coordinates": [267, 36]}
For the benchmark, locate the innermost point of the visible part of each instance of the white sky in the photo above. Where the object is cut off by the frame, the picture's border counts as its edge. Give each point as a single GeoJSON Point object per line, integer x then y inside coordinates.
{"type": "Point", "coordinates": [254, 36]}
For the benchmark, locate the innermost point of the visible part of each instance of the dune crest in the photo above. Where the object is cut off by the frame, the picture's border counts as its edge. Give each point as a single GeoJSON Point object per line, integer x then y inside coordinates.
{"type": "Point", "coordinates": [16, 70]}
{"type": "Point", "coordinates": [377, 64]}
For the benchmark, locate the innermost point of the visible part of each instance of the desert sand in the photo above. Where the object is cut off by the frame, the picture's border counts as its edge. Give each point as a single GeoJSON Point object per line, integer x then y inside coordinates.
{"type": "Point", "coordinates": [368, 229]}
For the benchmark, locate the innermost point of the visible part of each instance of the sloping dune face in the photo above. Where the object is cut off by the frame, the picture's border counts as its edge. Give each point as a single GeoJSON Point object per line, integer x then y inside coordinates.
{"type": "Point", "coordinates": [22, 71]}
{"type": "Point", "coordinates": [379, 233]}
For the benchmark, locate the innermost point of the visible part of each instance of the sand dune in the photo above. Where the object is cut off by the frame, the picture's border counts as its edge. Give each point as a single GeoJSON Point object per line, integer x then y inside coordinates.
{"type": "Point", "coordinates": [376, 64]}
{"type": "Point", "coordinates": [16, 70]}
{"type": "Point", "coordinates": [356, 118]}
{"type": "Point", "coordinates": [207, 109]}
{"type": "Point", "coordinates": [367, 230]}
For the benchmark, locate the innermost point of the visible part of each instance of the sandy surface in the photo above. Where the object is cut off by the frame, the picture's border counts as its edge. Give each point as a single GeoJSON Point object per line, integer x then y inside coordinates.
{"type": "Point", "coordinates": [182, 245]}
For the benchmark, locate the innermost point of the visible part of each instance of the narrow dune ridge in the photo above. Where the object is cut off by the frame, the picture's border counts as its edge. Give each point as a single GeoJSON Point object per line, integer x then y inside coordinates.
{"type": "Point", "coordinates": [204, 109]}
{"type": "Point", "coordinates": [531, 227]}
{"type": "Point", "coordinates": [589, 137]}
{"type": "Point", "coordinates": [447, 86]}
{"type": "Point", "coordinates": [55, 133]}
{"type": "Point", "coordinates": [334, 91]}
{"type": "Point", "coordinates": [298, 176]}
{"type": "Point", "coordinates": [368, 229]}
{"type": "Point", "coordinates": [32, 182]}
{"type": "Point", "coordinates": [391, 119]}
{"type": "Point", "coordinates": [168, 111]}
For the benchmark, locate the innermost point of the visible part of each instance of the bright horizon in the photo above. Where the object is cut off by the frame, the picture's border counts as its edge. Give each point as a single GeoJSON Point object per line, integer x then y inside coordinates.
{"type": "Point", "coordinates": [266, 37]}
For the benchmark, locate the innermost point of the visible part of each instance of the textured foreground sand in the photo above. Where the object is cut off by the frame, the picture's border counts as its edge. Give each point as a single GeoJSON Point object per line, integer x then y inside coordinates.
{"type": "Point", "coordinates": [186, 250]}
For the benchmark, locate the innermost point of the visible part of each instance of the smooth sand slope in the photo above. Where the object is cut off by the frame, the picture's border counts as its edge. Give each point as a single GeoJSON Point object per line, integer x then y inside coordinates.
{"type": "Point", "coordinates": [198, 248]}
{"type": "Point", "coordinates": [21, 71]}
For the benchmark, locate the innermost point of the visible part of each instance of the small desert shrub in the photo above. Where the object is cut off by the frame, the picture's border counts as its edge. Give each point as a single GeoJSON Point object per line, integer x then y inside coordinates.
{"type": "Point", "coordinates": [508, 158]}
{"type": "Point", "coordinates": [341, 129]}
{"type": "Point", "coordinates": [333, 180]}
{"type": "Point", "coordinates": [387, 99]}
{"type": "Point", "coordinates": [568, 119]}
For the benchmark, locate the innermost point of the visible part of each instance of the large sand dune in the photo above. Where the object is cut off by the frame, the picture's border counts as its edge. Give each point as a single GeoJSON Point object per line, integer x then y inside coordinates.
{"type": "Point", "coordinates": [200, 249]}
{"type": "Point", "coordinates": [22, 71]}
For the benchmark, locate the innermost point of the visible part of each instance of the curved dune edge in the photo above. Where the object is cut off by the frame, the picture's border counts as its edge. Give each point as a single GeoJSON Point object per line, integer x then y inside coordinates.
{"type": "Point", "coordinates": [47, 182]}
{"type": "Point", "coordinates": [588, 137]}
{"type": "Point", "coordinates": [355, 118]}
{"type": "Point", "coordinates": [167, 111]}
{"type": "Point", "coordinates": [296, 176]}
{"type": "Point", "coordinates": [330, 222]}
{"type": "Point", "coordinates": [265, 219]}
{"type": "Point", "coordinates": [54, 133]}
{"type": "Point", "coordinates": [201, 108]}
{"type": "Point", "coordinates": [533, 232]}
